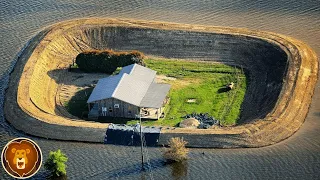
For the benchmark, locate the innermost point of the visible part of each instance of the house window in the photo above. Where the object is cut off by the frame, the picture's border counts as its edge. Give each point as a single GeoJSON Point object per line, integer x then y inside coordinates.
{"type": "Point", "coordinates": [129, 112]}
{"type": "Point", "coordinates": [116, 105]}
{"type": "Point", "coordinates": [110, 109]}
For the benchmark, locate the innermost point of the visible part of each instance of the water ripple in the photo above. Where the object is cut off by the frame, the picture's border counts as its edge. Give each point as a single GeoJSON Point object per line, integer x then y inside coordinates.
{"type": "Point", "coordinates": [296, 158]}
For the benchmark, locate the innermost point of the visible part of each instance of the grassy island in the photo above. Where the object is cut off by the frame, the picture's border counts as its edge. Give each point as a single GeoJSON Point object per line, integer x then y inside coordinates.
{"type": "Point", "coordinates": [197, 87]}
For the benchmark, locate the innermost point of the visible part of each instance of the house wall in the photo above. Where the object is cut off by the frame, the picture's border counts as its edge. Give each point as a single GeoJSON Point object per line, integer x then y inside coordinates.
{"type": "Point", "coordinates": [123, 110]}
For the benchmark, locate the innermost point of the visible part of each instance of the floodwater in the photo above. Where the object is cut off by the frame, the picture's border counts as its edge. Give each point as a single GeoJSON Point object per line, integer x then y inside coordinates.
{"type": "Point", "coordinates": [295, 158]}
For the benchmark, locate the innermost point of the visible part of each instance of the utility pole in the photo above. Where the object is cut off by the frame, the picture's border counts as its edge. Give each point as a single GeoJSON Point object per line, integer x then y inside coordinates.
{"type": "Point", "coordinates": [142, 158]}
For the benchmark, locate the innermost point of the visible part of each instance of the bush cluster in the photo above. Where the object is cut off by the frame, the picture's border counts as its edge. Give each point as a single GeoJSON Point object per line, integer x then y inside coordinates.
{"type": "Point", "coordinates": [55, 164]}
{"type": "Point", "coordinates": [107, 61]}
{"type": "Point", "coordinates": [177, 151]}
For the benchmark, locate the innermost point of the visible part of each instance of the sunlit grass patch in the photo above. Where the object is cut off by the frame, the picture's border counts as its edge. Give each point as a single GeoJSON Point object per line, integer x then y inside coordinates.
{"type": "Point", "coordinates": [203, 82]}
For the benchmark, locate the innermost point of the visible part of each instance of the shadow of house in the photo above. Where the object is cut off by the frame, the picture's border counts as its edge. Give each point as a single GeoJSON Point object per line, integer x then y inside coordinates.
{"type": "Point", "coordinates": [77, 105]}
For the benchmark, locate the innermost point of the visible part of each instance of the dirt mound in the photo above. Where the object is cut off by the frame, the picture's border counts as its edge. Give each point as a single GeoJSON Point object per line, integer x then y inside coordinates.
{"type": "Point", "coordinates": [282, 73]}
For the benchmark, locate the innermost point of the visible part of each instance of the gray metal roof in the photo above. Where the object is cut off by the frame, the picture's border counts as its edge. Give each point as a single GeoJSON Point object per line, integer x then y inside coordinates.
{"type": "Point", "coordinates": [123, 87]}
{"type": "Point", "coordinates": [136, 88]}
{"type": "Point", "coordinates": [131, 90]}
{"type": "Point", "coordinates": [155, 95]}
{"type": "Point", "coordinates": [139, 72]}
{"type": "Point", "coordinates": [104, 88]}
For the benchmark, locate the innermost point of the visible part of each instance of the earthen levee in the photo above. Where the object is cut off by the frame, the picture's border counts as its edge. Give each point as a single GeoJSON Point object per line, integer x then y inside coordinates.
{"type": "Point", "coordinates": [282, 73]}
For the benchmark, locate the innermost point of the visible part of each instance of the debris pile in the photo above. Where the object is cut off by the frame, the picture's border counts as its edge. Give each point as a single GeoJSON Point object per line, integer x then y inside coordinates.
{"type": "Point", "coordinates": [189, 123]}
{"type": "Point", "coordinates": [230, 86]}
{"type": "Point", "coordinates": [206, 121]}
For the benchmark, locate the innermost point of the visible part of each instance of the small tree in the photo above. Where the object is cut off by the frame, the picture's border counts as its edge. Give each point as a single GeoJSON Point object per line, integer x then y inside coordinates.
{"type": "Point", "coordinates": [56, 163]}
{"type": "Point", "coordinates": [177, 151]}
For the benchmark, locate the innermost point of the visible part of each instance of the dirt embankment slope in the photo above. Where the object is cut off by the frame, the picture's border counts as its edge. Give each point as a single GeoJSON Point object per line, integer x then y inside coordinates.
{"type": "Point", "coordinates": [282, 73]}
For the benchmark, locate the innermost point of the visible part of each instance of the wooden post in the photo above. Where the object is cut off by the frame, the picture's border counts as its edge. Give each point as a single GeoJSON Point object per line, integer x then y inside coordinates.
{"type": "Point", "coordinates": [142, 158]}
{"type": "Point", "coordinates": [158, 113]}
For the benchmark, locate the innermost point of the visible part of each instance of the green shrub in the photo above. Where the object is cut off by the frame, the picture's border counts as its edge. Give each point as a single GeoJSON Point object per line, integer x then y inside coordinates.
{"type": "Point", "coordinates": [107, 61]}
{"type": "Point", "coordinates": [55, 164]}
{"type": "Point", "coordinates": [177, 151]}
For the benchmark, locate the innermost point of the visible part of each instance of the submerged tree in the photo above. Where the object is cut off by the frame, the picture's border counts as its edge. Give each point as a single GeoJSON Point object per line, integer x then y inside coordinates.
{"type": "Point", "coordinates": [177, 151]}
{"type": "Point", "coordinates": [56, 163]}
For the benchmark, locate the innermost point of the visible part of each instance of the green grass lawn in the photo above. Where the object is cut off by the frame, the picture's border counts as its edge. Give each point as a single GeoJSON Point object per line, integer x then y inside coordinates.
{"type": "Point", "coordinates": [202, 81]}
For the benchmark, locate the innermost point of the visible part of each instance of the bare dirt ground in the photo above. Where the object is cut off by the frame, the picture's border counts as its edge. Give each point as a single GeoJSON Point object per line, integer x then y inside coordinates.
{"type": "Point", "coordinates": [164, 79]}
{"type": "Point", "coordinates": [71, 83]}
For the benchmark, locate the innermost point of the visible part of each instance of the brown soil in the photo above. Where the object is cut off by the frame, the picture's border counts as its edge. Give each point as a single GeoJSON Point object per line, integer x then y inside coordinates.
{"type": "Point", "coordinates": [70, 84]}
{"type": "Point", "coordinates": [283, 73]}
{"type": "Point", "coordinates": [164, 79]}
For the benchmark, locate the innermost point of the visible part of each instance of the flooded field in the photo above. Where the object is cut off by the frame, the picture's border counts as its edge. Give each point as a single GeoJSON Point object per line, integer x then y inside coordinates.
{"type": "Point", "coordinates": [295, 158]}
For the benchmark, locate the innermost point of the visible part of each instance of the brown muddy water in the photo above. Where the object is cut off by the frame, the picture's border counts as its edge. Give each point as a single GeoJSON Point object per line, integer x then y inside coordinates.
{"type": "Point", "coordinates": [295, 158]}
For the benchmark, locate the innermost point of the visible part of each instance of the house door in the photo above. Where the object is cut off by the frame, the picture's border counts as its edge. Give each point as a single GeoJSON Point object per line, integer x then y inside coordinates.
{"type": "Point", "coordinates": [117, 112]}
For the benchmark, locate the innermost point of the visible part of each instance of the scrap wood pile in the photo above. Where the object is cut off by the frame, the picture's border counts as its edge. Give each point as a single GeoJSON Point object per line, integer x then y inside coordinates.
{"type": "Point", "coordinates": [206, 121]}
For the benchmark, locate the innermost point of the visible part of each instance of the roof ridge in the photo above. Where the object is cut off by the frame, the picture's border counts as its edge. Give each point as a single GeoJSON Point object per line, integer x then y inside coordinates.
{"type": "Point", "coordinates": [149, 85]}
{"type": "Point", "coordinates": [115, 89]}
{"type": "Point", "coordinates": [133, 67]}
{"type": "Point", "coordinates": [134, 80]}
